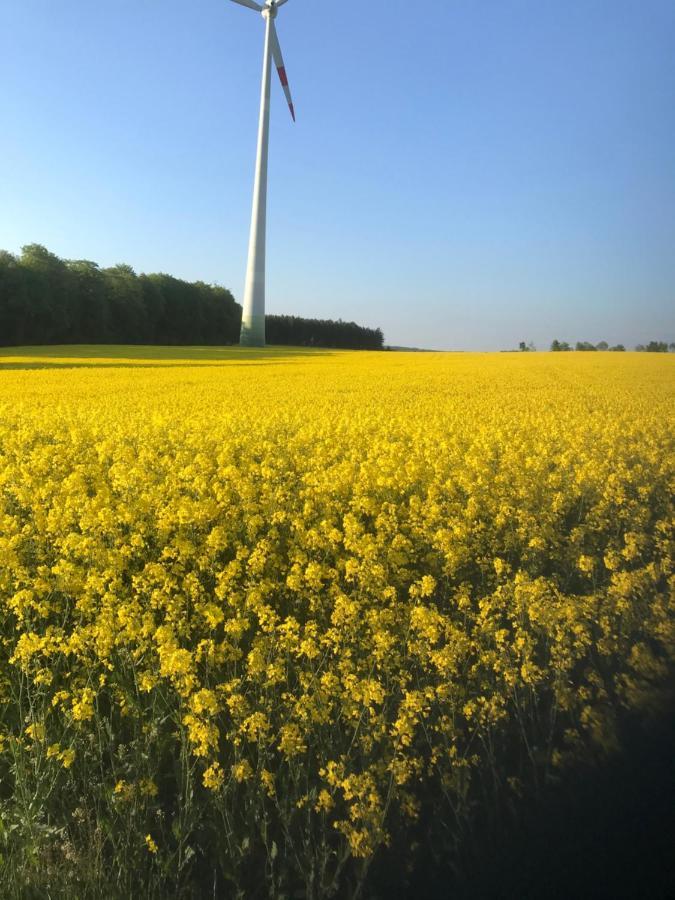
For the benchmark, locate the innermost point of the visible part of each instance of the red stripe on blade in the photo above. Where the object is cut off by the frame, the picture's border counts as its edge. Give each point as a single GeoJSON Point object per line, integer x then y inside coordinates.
{"type": "Point", "coordinates": [282, 75]}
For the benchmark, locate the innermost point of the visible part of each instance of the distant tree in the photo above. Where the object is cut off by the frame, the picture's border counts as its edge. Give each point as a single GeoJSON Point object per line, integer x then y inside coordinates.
{"type": "Point", "coordinates": [128, 319]}
{"type": "Point", "coordinates": [231, 312]}
{"type": "Point", "coordinates": [603, 345]}
{"type": "Point", "coordinates": [671, 347]}
{"type": "Point", "coordinates": [14, 311]}
{"type": "Point", "coordinates": [640, 348]}
{"type": "Point", "coordinates": [657, 347]}
{"type": "Point", "coordinates": [618, 348]}
{"type": "Point", "coordinates": [584, 346]}
{"type": "Point", "coordinates": [526, 348]}
{"type": "Point", "coordinates": [183, 313]}
{"type": "Point", "coordinates": [155, 307]}
{"type": "Point", "coordinates": [90, 303]}
{"type": "Point", "coordinates": [48, 296]}
{"type": "Point", "coordinates": [560, 346]}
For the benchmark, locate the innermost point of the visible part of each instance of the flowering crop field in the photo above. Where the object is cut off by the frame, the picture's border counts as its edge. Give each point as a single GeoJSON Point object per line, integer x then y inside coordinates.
{"type": "Point", "coordinates": [264, 613]}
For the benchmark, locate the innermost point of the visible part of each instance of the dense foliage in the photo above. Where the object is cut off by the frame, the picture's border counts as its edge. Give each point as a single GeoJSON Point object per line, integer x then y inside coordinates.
{"type": "Point", "coordinates": [563, 347]}
{"type": "Point", "coordinates": [47, 300]}
{"type": "Point", "coordinates": [655, 347]}
{"type": "Point", "coordinates": [258, 620]}
{"type": "Point", "coordinates": [652, 347]}
{"type": "Point", "coordinates": [297, 332]}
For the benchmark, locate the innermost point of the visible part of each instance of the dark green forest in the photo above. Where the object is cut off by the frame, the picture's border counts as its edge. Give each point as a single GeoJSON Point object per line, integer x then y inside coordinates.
{"type": "Point", "coordinates": [296, 332]}
{"type": "Point", "coordinates": [48, 300]}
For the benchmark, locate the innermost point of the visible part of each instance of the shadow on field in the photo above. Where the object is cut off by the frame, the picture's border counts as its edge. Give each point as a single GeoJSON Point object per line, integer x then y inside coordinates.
{"type": "Point", "coordinates": [138, 366]}
{"type": "Point", "coordinates": [605, 834]}
{"type": "Point", "coordinates": [128, 357]}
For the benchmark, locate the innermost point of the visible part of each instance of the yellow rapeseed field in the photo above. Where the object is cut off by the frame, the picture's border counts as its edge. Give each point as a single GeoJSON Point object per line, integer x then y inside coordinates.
{"type": "Point", "coordinates": [262, 612]}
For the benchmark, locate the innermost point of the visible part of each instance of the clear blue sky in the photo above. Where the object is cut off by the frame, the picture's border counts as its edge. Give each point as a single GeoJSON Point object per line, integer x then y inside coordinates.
{"type": "Point", "coordinates": [463, 174]}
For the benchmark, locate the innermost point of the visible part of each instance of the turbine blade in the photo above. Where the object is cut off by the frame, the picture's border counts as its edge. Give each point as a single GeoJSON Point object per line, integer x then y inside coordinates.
{"type": "Point", "coordinates": [281, 68]}
{"type": "Point", "coordinates": [281, 3]}
{"type": "Point", "coordinates": [250, 3]}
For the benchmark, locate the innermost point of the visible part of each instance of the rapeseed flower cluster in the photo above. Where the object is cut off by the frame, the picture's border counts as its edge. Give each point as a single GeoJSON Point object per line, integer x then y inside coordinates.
{"type": "Point", "coordinates": [329, 589]}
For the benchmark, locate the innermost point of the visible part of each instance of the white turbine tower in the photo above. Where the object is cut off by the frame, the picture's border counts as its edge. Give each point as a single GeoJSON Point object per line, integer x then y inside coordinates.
{"type": "Point", "coordinates": [253, 320]}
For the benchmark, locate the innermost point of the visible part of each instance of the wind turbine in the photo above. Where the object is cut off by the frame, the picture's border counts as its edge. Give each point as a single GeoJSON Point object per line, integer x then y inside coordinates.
{"type": "Point", "coordinates": [253, 319]}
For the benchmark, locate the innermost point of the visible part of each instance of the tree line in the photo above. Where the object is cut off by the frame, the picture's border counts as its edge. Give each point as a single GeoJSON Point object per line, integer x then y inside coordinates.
{"type": "Point", "coordinates": [563, 346]}
{"type": "Point", "coordinates": [48, 300]}
{"type": "Point", "coordinates": [292, 330]}
{"type": "Point", "coordinates": [656, 347]}
{"type": "Point", "coordinates": [651, 347]}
